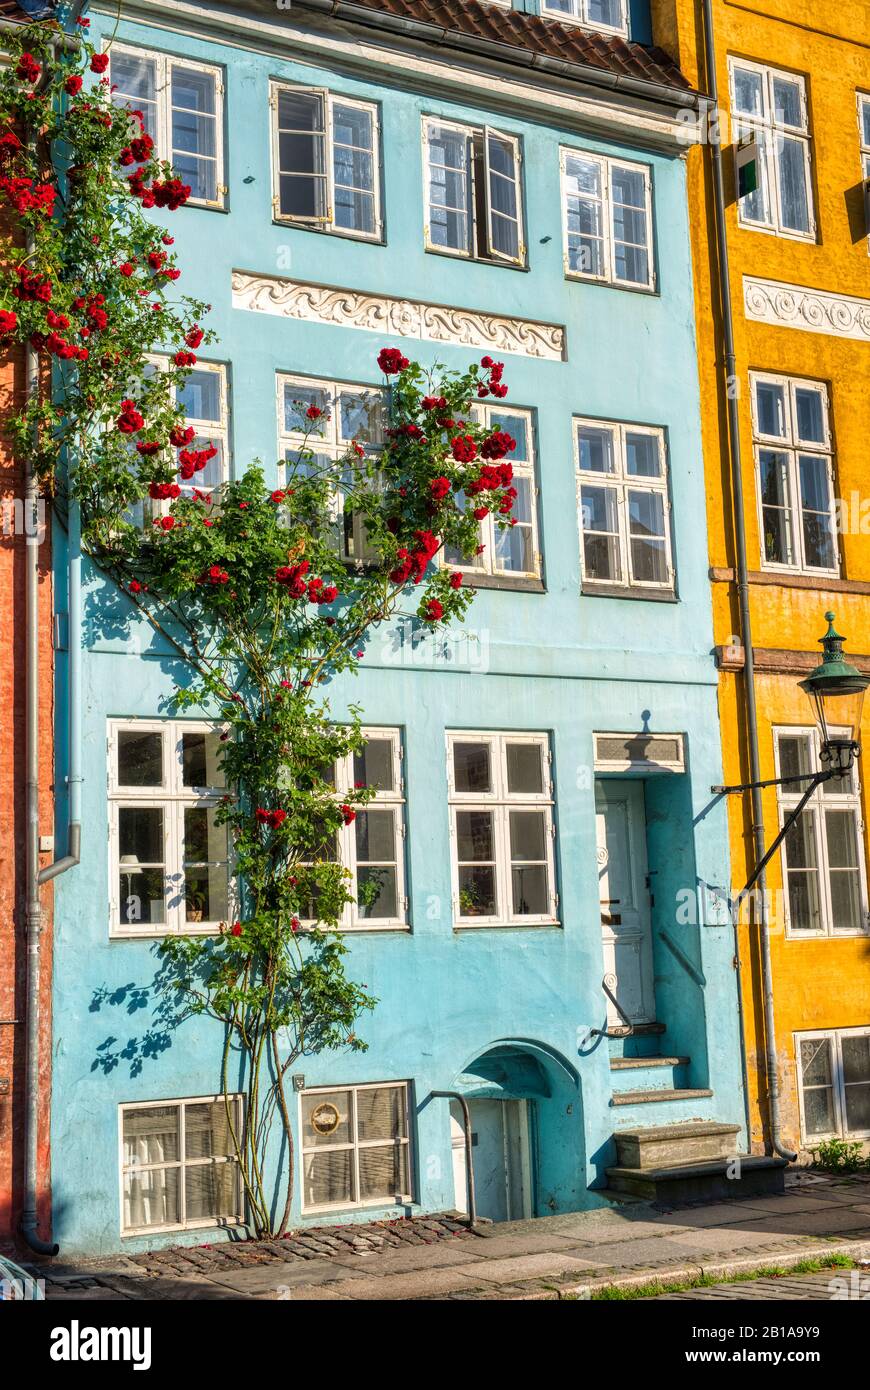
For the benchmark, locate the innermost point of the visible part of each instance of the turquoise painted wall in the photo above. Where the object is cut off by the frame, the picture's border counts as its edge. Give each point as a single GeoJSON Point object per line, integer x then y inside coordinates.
{"type": "Point", "coordinates": [556, 662]}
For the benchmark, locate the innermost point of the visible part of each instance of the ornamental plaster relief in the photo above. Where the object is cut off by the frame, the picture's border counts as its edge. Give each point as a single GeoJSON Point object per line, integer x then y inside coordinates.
{"type": "Point", "coordinates": [438, 323]}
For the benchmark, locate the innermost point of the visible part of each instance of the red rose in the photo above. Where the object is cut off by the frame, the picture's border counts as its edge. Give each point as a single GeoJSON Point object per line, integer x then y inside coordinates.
{"type": "Point", "coordinates": [127, 269]}
{"type": "Point", "coordinates": [348, 814]}
{"type": "Point", "coordinates": [391, 361]}
{"type": "Point", "coordinates": [99, 62]}
{"type": "Point", "coordinates": [196, 335]}
{"type": "Point", "coordinates": [497, 390]}
{"type": "Point", "coordinates": [130, 421]}
{"type": "Point", "coordinates": [479, 513]}
{"type": "Point", "coordinates": [27, 68]}
{"type": "Point", "coordinates": [434, 611]}
{"type": "Point", "coordinates": [73, 85]}
{"type": "Point", "coordinates": [486, 363]}
{"type": "Point", "coordinates": [167, 522]}
{"type": "Point", "coordinates": [8, 322]}
{"type": "Point", "coordinates": [185, 359]}
{"type": "Point", "coordinates": [148, 448]}
{"type": "Point", "coordinates": [236, 929]}
{"type": "Point", "coordinates": [456, 580]}
{"type": "Point", "coordinates": [179, 437]}
{"type": "Point", "coordinates": [135, 586]}
{"type": "Point", "coordinates": [294, 924]}
{"type": "Point", "coordinates": [439, 488]}
{"type": "Point", "coordinates": [277, 496]}
{"type": "Point", "coordinates": [463, 448]}
{"type": "Point", "coordinates": [314, 412]}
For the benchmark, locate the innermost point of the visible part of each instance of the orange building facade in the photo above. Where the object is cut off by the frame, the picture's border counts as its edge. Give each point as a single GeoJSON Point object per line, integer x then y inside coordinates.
{"type": "Point", "coordinates": [794, 96]}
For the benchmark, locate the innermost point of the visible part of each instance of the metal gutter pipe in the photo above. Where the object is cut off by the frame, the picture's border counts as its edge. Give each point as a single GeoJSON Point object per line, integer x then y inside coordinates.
{"type": "Point", "coordinates": [35, 877]}
{"type": "Point", "coordinates": [724, 286]}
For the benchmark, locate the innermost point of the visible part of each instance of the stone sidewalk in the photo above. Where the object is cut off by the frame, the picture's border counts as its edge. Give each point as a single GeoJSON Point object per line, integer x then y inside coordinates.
{"type": "Point", "coordinates": [551, 1257]}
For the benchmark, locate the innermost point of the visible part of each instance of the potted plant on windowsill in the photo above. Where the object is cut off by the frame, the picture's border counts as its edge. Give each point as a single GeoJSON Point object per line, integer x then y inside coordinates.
{"type": "Point", "coordinates": [194, 904]}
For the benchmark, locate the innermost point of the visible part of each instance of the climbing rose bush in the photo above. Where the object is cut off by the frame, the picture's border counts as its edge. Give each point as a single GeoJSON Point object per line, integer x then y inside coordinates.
{"type": "Point", "coordinates": [245, 585]}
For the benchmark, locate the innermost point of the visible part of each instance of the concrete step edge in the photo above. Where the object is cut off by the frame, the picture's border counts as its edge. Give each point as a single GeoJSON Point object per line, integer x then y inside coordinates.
{"type": "Point", "coordinates": [635, 1063]}
{"type": "Point", "coordinates": [646, 1097]}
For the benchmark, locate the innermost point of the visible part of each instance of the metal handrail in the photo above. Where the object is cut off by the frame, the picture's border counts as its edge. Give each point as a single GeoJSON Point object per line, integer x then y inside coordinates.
{"type": "Point", "coordinates": [625, 1032]}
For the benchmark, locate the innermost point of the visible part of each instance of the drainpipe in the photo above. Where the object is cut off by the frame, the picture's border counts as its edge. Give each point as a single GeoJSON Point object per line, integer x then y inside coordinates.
{"type": "Point", "coordinates": [771, 1068]}
{"type": "Point", "coordinates": [469, 1166]}
{"type": "Point", "coordinates": [35, 877]}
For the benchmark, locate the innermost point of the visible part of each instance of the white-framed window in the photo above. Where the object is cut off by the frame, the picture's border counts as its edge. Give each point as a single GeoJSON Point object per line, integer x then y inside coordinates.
{"type": "Point", "coordinates": [372, 847]}
{"type": "Point", "coordinates": [356, 1148]}
{"type": "Point", "coordinates": [178, 1165]}
{"type": "Point", "coordinates": [326, 161]}
{"type": "Point", "coordinates": [501, 828]}
{"type": "Point", "coordinates": [169, 862]}
{"type": "Point", "coordinates": [607, 220]}
{"type": "Point", "coordinates": [834, 1083]}
{"type": "Point", "coordinates": [623, 506]}
{"type": "Point", "coordinates": [823, 868]}
{"type": "Point", "coordinates": [770, 106]}
{"type": "Point", "coordinates": [508, 551]}
{"type": "Point", "coordinates": [864, 137]}
{"type": "Point", "coordinates": [473, 192]}
{"type": "Point", "coordinates": [794, 469]}
{"type": "Point", "coordinates": [205, 400]}
{"type": "Point", "coordinates": [349, 413]}
{"type": "Point", "coordinates": [606, 16]}
{"type": "Point", "coordinates": [182, 105]}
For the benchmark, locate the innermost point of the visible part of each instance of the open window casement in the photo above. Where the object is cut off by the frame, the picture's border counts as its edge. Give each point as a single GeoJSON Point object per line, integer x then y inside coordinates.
{"type": "Point", "coordinates": [303, 156]}
{"type": "Point", "coordinates": [501, 157]}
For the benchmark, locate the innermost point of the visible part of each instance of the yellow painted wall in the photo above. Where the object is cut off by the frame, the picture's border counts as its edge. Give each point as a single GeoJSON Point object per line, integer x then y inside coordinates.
{"type": "Point", "coordinates": [820, 983]}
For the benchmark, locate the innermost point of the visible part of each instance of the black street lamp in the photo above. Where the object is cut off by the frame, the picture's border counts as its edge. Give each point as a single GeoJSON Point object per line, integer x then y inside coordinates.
{"type": "Point", "coordinates": [836, 691]}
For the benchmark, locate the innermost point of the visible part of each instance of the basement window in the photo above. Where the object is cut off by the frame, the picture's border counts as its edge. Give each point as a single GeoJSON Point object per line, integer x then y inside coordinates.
{"type": "Point", "coordinates": [355, 1146]}
{"type": "Point", "coordinates": [834, 1083]}
{"type": "Point", "coordinates": [178, 1165]}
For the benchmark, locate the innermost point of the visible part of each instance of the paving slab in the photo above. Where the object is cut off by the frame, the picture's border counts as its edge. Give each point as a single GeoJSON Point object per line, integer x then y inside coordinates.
{"type": "Point", "coordinates": [419, 1283]}
{"type": "Point", "coordinates": [526, 1267]}
{"type": "Point", "coordinates": [790, 1203]}
{"type": "Point", "coordinates": [404, 1261]}
{"type": "Point", "coordinates": [495, 1247]}
{"type": "Point", "coordinates": [262, 1278]}
{"type": "Point", "coordinates": [189, 1288]}
{"type": "Point", "coordinates": [831, 1221]}
{"type": "Point", "coordinates": [631, 1255]}
{"type": "Point", "coordinates": [718, 1214]}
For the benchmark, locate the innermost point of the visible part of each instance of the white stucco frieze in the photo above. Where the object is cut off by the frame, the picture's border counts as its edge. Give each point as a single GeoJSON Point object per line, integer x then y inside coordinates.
{"type": "Point", "coordinates": [814, 311]}
{"type": "Point", "coordinates": [438, 323]}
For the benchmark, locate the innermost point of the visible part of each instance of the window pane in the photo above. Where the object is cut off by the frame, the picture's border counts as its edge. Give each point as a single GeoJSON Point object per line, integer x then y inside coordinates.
{"type": "Point", "coordinates": [776, 508]}
{"type": "Point", "coordinates": [856, 1058]}
{"type": "Point", "coordinates": [383, 1172]}
{"type": "Point", "coordinates": [787, 102]}
{"type": "Point", "coordinates": [373, 766]}
{"type": "Point", "coordinates": [360, 416]}
{"type": "Point", "coordinates": [584, 214]}
{"type": "Point", "coordinates": [642, 455]}
{"type": "Point", "coordinates": [794, 755]}
{"type": "Point", "coordinates": [628, 190]}
{"type": "Point", "coordinates": [474, 836]}
{"type": "Point", "coordinates": [810, 413]}
{"type": "Point", "coordinates": [450, 199]}
{"type": "Point", "coordinates": [206, 893]}
{"type": "Point", "coordinates": [302, 154]}
{"type": "Point", "coordinates": [326, 1119]}
{"type": "Point", "coordinates": [794, 203]}
{"type": "Point", "coordinates": [200, 759]}
{"type": "Point", "coordinates": [528, 835]}
{"type": "Point", "coordinates": [646, 525]}
{"type": "Point", "coordinates": [151, 1135]}
{"type": "Point", "coordinates": [140, 759]}
{"type": "Point", "coordinates": [151, 1198]}
{"type": "Point", "coordinates": [194, 130]}
{"type": "Point", "coordinates": [211, 1191]}
{"type": "Point", "coordinates": [503, 207]}
{"type": "Point", "coordinates": [142, 887]}
{"type": "Point", "coordinates": [476, 891]}
{"type": "Point", "coordinates": [819, 551]}
{"type": "Point", "coordinates": [748, 92]}
{"type": "Point", "coordinates": [377, 893]}
{"type": "Point", "coordinates": [865, 122]}
{"type": "Point", "coordinates": [605, 12]}
{"type": "Point", "coordinates": [817, 1077]}
{"type": "Point", "coordinates": [600, 524]}
{"type": "Point", "coordinates": [376, 836]}
{"type": "Point", "coordinates": [471, 767]}
{"type": "Point", "coordinates": [298, 398]}
{"type": "Point", "coordinates": [207, 1131]}
{"type": "Point", "coordinates": [200, 396]}
{"type": "Point", "coordinates": [525, 773]}
{"type": "Point", "coordinates": [770, 409]}
{"type": "Point", "coordinates": [842, 839]}
{"type": "Point", "coordinates": [595, 449]}
{"type": "Point", "coordinates": [328, 1178]}
{"type": "Point", "coordinates": [133, 76]}
{"type": "Point", "coordinates": [354, 168]}
{"type": "Point", "coordinates": [802, 874]}
{"type": "Point", "coordinates": [380, 1113]}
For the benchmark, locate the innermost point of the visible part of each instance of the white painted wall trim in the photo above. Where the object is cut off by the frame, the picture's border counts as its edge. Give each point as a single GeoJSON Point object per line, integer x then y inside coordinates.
{"type": "Point", "coordinates": [813, 311]}
{"type": "Point", "coordinates": [416, 64]}
{"type": "Point", "coordinates": [438, 323]}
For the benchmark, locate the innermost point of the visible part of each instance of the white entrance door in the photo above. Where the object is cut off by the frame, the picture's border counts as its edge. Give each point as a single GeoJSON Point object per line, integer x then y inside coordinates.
{"type": "Point", "coordinates": [500, 1154]}
{"type": "Point", "coordinates": [626, 930]}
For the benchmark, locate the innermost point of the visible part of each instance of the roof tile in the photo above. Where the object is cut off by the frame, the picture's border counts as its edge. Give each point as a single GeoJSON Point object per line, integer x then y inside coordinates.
{"type": "Point", "coordinates": [538, 35]}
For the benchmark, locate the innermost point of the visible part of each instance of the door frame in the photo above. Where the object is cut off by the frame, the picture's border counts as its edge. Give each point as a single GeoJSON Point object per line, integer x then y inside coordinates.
{"type": "Point", "coordinates": [632, 792]}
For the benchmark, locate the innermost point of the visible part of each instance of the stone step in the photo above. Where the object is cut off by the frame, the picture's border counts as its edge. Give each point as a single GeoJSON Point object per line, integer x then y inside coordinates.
{"type": "Point", "coordinates": [748, 1175]}
{"type": "Point", "coordinates": [648, 1074]}
{"type": "Point", "coordinates": [667, 1146]}
{"type": "Point", "coordinates": [661, 1093]}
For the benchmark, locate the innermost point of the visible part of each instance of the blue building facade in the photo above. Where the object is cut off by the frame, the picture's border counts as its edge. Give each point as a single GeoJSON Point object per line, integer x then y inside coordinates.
{"type": "Point", "coordinates": [514, 186]}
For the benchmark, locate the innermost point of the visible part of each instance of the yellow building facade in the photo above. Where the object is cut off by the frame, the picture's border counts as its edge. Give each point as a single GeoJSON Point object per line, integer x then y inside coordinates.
{"type": "Point", "coordinates": [794, 95]}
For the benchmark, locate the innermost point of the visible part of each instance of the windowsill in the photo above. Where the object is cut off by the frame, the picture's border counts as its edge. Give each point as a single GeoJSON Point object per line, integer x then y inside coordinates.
{"type": "Point", "coordinates": [116, 935]}
{"type": "Point", "coordinates": [336, 1207]}
{"type": "Point", "coordinates": [808, 238]}
{"type": "Point", "coordinates": [520, 583]}
{"type": "Point", "coordinates": [343, 235]}
{"type": "Point", "coordinates": [860, 935]}
{"type": "Point", "coordinates": [207, 207]}
{"type": "Point", "coordinates": [792, 572]}
{"type": "Point", "coordinates": [506, 926]}
{"type": "Point", "coordinates": [216, 1223]}
{"type": "Point", "coordinates": [580, 279]}
{"type": "Point", "coordinates": [793, 580]}
{"type": "Point", "coordinates": [594, 590]}
{"type": "Point", "coordinates": [476, 260]}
